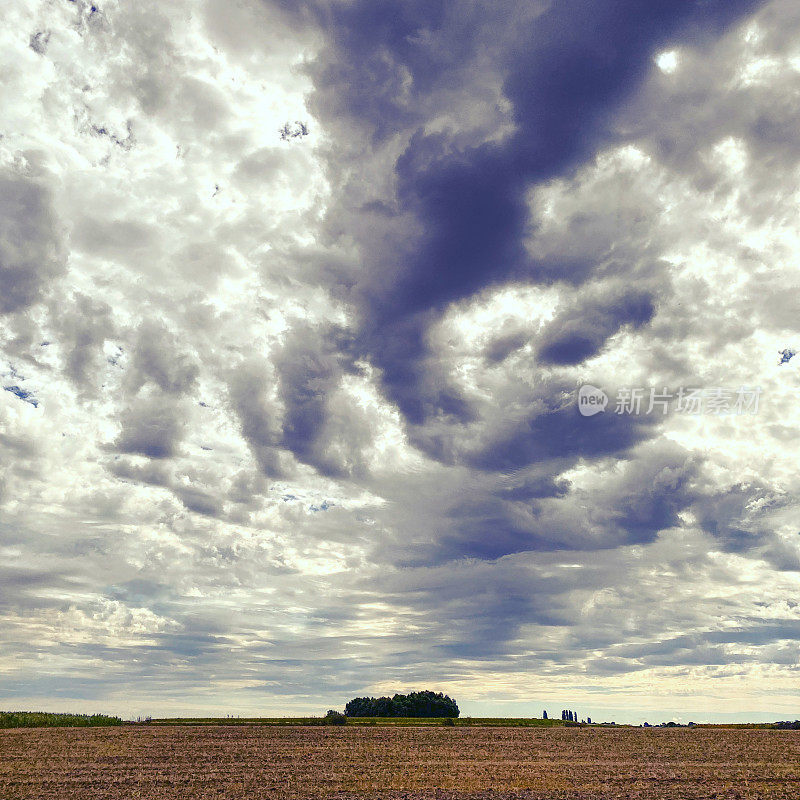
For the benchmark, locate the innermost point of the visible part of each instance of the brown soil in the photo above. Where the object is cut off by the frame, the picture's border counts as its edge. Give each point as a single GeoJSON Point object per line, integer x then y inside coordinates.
{"type": "Point", "coordinates": [250, 762]}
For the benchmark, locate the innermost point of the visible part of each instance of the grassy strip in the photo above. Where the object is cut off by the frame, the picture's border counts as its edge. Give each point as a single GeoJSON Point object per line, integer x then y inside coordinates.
{"type": "Point", "coordinates": [41, 719]}
{"type": "Point", "coordinates": [463, 722]}
{"type": "Point", "coordinates": [361, 721]}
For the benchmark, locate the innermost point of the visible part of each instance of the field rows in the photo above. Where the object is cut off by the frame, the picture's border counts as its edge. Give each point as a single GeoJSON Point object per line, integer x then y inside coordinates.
{"type": "Point", "coordinates": [283, 763]}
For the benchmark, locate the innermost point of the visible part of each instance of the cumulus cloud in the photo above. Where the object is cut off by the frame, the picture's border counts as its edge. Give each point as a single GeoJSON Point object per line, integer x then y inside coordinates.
{"type": "Point", "coordinates": [153, 427]}
{"type": "Point", "coordinates": [157, 359]}
{"type": "Point", "coordinates": [251, 387]}
{"type": "Point", "coordinates": [85, 325]}
{"type": "Point", "coordinates": [330, 379]}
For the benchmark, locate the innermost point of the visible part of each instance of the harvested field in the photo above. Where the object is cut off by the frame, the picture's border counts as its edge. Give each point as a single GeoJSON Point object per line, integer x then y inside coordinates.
{"type": "Point", "coordinates": [252, 762]}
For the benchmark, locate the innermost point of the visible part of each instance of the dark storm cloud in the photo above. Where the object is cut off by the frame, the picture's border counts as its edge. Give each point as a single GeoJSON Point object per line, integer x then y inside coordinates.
{"type": "Point", "coordinates": [258, 413]}
{"type": "Point", "coordinates": [554, 430]}
{"type": "Point", "coordinates": [480, 607]}
{"type": "Point", "coordinates": [292, 406]}
{"type": "Point", "coordinates": [456, 220]}
{"type": "Point", "coordinates": [16, 580]}
{"type": "Point", "coordinates": [581, 332]}
{"type": "Point", "coordinates": [32, 252]}
{"type": "Point", "coordinates": [760, 634]}
{"type": "Point", "coordinates": [152, 473]}
{"type": "Point", "coordinates": [736, 645]}
{"type": "Point", "coordinates": [742, 520]}
{"type": "Point", "coordinates": [372, 48]}
{"type": "Point", "coordinates": [199, 500]}
{"type": "Point", "coordinates": [195, 497]}
{"type": "Point", "coordinates": [38, 586]}
{"type": "Point", "coordinates": [564, 73]}
{"type": "Point", "coordinates": [783, 555]}
{"type": "Point", "coordinates": [319, 426]}
{"type": "Point", "coordinates": [308, 374]}
{"type": "Point", "coordinates": [500, 349]}
{"type": "Point", "coordinates": [532, 487]}
{"type": "Point", "coordinates": [632, 504]}
{"type": "Point", "coordinates": [153, 427]}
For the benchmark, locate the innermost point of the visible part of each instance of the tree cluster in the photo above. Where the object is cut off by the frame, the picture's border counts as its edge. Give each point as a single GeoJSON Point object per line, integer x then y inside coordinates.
{"type": "Point", "coordinates": [415, 704]}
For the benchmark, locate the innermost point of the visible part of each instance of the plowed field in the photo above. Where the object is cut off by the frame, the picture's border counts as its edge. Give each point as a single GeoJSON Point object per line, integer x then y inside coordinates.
{"type": "Point", "coordinates": [251, 762]}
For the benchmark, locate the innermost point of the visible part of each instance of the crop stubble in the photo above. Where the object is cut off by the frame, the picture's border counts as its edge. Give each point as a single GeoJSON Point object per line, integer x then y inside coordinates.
{"type": "Point", "coordinates": [288, 763]}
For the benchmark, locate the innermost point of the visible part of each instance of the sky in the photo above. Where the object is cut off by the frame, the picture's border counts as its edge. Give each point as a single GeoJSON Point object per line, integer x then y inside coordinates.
{"type": "Point", "coordinates": [298, 303]}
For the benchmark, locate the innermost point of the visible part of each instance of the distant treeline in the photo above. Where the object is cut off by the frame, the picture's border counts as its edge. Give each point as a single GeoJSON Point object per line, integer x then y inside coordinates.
{"type": "Point", "coordinates": [415, 704]}
{"type": "Point", "coordinates": [570, 716]}
{"type": "Point", "coordinates": [41, 719]}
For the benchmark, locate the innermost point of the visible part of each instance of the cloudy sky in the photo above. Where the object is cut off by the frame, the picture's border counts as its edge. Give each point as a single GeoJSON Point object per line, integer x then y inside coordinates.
{"type": "Point", "coordinates": [296, 299]}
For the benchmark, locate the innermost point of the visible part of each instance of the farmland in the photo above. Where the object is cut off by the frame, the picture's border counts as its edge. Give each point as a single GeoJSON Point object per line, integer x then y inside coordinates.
{"type": "Point", "coordinates": [291, 762]}
{"type": "Point", "coordinates": [38, 719]}
{"type": "Point", "coordinates": [504, 722]}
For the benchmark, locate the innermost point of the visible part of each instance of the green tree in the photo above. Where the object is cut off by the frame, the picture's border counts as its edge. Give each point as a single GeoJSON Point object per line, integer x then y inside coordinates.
{"type": "Point", "coordinates": [415, 704]}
